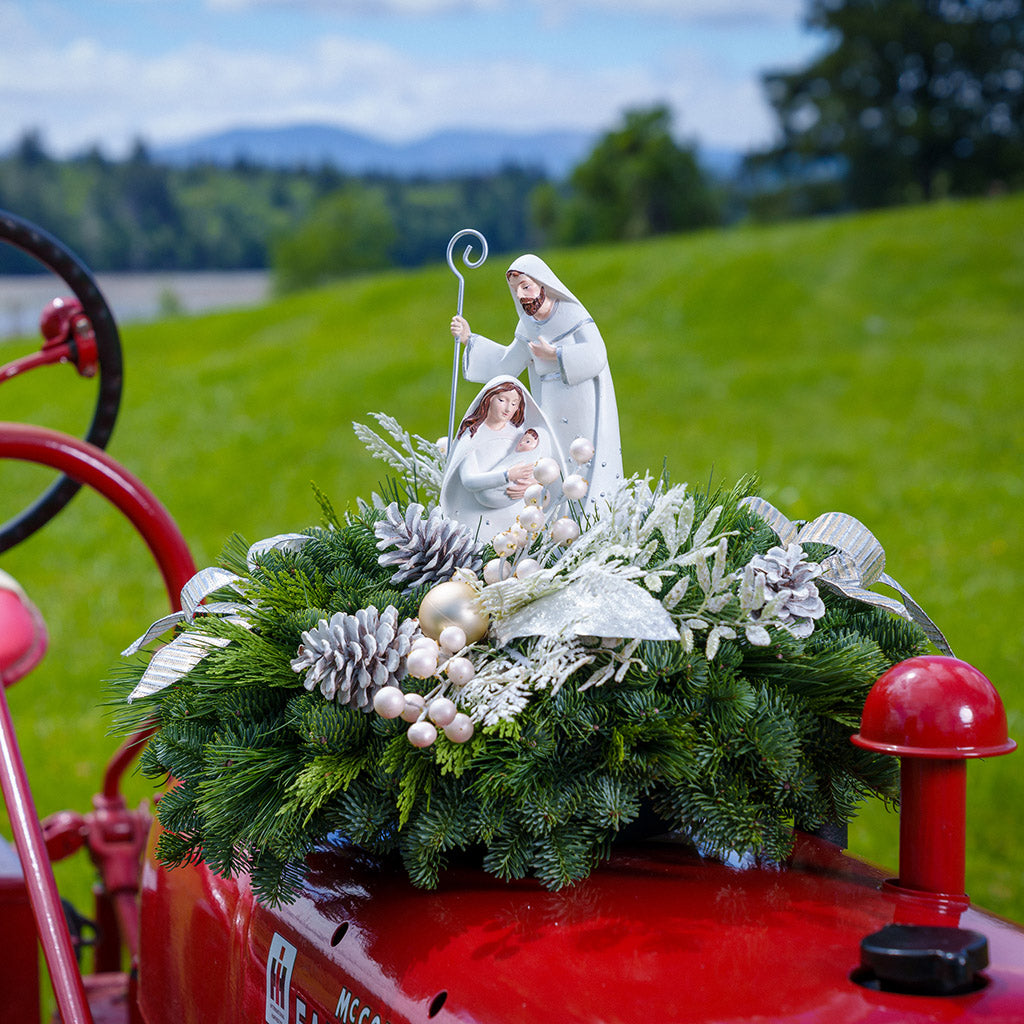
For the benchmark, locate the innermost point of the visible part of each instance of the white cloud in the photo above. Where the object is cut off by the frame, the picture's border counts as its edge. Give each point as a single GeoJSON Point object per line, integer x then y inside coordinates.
{"type": "Point", "coordinates": [83, 92]}
{"type": "Point", "coordinates": [680, 10]}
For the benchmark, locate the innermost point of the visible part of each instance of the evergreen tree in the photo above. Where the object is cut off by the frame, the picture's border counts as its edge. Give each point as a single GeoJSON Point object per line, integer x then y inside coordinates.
{"type": "Point", "coordinates": [637, 181]}
{"type": "Point", "coordinates": [917, 99]}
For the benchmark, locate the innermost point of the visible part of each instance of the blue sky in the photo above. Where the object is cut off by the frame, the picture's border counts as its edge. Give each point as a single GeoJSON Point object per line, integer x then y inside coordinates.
{"type": "Point", "coordinates": [111, 71]}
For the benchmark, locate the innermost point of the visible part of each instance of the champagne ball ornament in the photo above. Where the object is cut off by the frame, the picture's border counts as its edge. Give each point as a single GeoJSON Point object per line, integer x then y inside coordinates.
{"type": "Point", "coordinates": [564, 530]}
{"type": "Point", "coordinates": [422, 734]}
{"type": "Point", "coordinates": [389, 702]}
{"type": "Point", "coordinates": [453, 604]}
{"type": "Point", "coordinates": [442, 711]}
{"type": "Point", "coordinates": [581, 451]}
{"type": "Point", "coordinates": [531, 518]}
{"type": "Point", "coordinates": [527, 567]}
{"type": "Point", "coordinates": [459, 729]}
{"type": "Point", "coordinates": [496, 570]}
{"type": "Point", "coordinates": [546, 471]}
{"type": "Point", "coordinates": [421, 662]}
{"type": "Point", "coordinates": [537, 494]}
{"type": "Point", "coordinates": [520, 535]}
{"type": "Point", "coordinates": [453, 639]}
{"type": "Point", "coordinates": [504, 544]}
{"type": "Point", "coordinates": [574, 487]}
{"type": "Point", "coordinates": [460, 670]}
{"type": "Point", "coordinates": [414, 704]}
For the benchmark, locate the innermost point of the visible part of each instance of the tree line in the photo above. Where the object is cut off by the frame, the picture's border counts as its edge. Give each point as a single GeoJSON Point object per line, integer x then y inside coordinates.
{"type": "Point", "coordinates": [140, 215]}
{"type": "Point", "coordinates": [909, 100]}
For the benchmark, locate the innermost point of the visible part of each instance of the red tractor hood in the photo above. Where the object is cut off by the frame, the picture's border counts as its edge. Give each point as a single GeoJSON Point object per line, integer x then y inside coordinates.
{"type": "Point", "coordinates": [658, 933]}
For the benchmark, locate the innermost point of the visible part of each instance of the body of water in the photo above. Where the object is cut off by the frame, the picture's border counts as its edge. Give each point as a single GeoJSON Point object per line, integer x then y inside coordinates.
{"type": "Point", "coordinates": [132, 297]}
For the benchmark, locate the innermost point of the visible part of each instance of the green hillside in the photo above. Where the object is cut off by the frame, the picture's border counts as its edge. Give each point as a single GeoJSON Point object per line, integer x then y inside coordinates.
{"type": "Point", "coordinates": [869, 365]}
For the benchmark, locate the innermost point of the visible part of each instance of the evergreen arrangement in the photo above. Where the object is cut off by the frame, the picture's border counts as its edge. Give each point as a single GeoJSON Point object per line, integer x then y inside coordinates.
{"type": "Point", "coordinates": [305, 700]}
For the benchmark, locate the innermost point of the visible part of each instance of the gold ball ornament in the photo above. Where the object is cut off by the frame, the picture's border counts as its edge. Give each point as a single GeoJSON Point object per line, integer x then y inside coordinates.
{"type": "Point", "coordinates": [453, 604]}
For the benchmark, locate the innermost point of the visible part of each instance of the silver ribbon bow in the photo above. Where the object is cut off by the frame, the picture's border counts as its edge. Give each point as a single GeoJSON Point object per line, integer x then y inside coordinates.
{"type": "Point", "coordinates": [185, 651]}
{"type": "Point", "coordinates": [857, 563]}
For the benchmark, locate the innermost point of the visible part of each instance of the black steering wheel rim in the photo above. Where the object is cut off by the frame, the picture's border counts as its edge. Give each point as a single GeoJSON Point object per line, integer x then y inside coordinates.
{"type": "Point", "coordinates": [56, 257]}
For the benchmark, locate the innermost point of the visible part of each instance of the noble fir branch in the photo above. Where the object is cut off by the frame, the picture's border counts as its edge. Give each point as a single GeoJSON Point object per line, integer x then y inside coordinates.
{"type": "Point", "coordinates": [179, 810]}
{"type": "Point", "coordinates": [324, 727]}
{"type": "Point", "coordinates": [285, 582]}
{"type": "Point", "coordinates": [366, 815]}
{"type": "Point", "coordinates": [567, 854]}
{"type": "Point", "coordinates": [508, 854]}
{"type": "Point", "coordinates": [362, 543]}
{"type": "Point", "coordinates": [177, 749]}
{"type": "Point", "coordinates": [275, 880]}
{"type": "Point", "coordinates": [176, 849]}
{"type": "Point", "coordinates": [612, 803]}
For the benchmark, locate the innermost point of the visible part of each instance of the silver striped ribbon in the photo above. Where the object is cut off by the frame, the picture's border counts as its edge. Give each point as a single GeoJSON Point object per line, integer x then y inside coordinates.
{"type": "Point", "coordinates": [857, 563]}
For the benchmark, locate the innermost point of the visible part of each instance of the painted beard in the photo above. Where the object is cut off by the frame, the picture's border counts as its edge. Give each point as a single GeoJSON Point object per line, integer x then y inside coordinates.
{"type": "Point", "coordinates": [530, 306]}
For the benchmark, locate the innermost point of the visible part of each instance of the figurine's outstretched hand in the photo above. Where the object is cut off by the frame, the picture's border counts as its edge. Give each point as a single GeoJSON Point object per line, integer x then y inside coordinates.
{"type": "Point", "coordinates": [543, 350]}
{"type": "Point", "coordinates": [460, 329]}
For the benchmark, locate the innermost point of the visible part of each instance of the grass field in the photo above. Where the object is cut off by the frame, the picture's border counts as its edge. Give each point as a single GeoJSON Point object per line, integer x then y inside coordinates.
{"type": "Point", "coordinates": [870, 365]}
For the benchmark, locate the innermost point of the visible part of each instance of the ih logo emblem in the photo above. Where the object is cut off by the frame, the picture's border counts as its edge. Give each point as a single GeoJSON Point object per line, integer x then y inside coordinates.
{"type": "Point", "coordinates": [280, 961]}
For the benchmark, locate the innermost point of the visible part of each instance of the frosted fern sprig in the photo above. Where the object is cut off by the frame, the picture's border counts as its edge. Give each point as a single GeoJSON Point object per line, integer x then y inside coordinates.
{"type": "Point", "coordinates": [504, 684]}
{"type": "Point", "coordinates": [420, 461]}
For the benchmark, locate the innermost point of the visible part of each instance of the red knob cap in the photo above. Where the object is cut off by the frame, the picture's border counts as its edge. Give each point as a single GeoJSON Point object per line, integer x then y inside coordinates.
{"type": "Point", "coordinates": [934, 706]}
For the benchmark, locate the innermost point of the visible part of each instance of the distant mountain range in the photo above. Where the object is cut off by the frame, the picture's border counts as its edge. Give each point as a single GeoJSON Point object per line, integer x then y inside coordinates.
{"type": "Point", "coordinates": [442, 154]}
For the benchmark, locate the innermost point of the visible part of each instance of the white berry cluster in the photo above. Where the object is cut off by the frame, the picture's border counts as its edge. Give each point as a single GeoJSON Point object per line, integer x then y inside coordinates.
{"type": "Point", "coordinates": [426, 714]}
{"type": "Point", "coordinates": [542, 517]}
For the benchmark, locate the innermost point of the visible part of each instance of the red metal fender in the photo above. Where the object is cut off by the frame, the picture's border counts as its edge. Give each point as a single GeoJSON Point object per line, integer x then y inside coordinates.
{"type": "Point", "coordinates": [658, 933]}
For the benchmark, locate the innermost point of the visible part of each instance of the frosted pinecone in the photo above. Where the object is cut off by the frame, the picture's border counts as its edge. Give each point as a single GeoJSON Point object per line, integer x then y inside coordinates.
{"type": "Point", "coordinates": [351, 657]}
{"type": "Point", "coordinates": [425, 550]}
{"type": "Point", "coordinates": [786, 592]}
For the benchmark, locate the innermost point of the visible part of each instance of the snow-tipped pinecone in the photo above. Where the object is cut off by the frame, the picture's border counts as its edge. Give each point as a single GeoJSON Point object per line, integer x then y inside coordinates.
{"type": "Point", "coordinates": [352, 656]}
{"type": "Point", "coordinates": [425, 550]}
{"type": "Point", "coordinates": [789, 589]}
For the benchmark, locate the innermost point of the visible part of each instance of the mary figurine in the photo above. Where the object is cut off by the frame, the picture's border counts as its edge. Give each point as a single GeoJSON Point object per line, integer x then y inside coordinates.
{"type": "Point", "coordinates": [502, 436]}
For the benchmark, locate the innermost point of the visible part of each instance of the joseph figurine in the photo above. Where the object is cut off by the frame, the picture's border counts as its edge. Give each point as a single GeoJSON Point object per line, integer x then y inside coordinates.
{"type": "Point", "coordinates": [557, 340]}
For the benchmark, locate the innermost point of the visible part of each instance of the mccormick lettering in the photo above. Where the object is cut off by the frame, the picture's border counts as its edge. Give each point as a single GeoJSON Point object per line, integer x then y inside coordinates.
{"type": "Point", "coordinates": [351, 1011]}
{"type": "Point", "coordinates": [280, 961]}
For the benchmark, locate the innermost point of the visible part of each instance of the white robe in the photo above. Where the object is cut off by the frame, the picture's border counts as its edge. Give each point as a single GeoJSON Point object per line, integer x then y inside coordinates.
{"type": "Point", "coordinates": [472, 489]}
{"type": "Point", "coordinates": [575, 389]}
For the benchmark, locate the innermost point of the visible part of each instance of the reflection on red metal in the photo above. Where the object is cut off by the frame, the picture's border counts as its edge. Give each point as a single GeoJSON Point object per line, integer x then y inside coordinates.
{"type": "Point", "coordinates": [57, 319]}
{"type": "Point", "coordinates": [657, 933]}
{"type": "Point", "coordinates": [933, 712]}
{"type": "Point", "coordinates": [46, 357]}
{"type": "Point", "coordinates": [22, 634]}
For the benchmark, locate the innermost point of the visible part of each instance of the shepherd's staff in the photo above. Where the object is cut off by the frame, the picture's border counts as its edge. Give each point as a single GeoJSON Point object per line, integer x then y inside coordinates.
{"type": "Point", "coordinates": [462, 287]}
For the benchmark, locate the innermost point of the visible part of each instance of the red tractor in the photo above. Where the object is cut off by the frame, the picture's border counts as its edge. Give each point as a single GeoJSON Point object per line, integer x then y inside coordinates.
{"type": "Point", "coordinates": [659, 931]}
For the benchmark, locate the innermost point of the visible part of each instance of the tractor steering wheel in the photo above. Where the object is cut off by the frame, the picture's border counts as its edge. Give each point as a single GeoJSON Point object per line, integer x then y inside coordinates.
{"type": "Point", "coordinates": [53, 255]}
